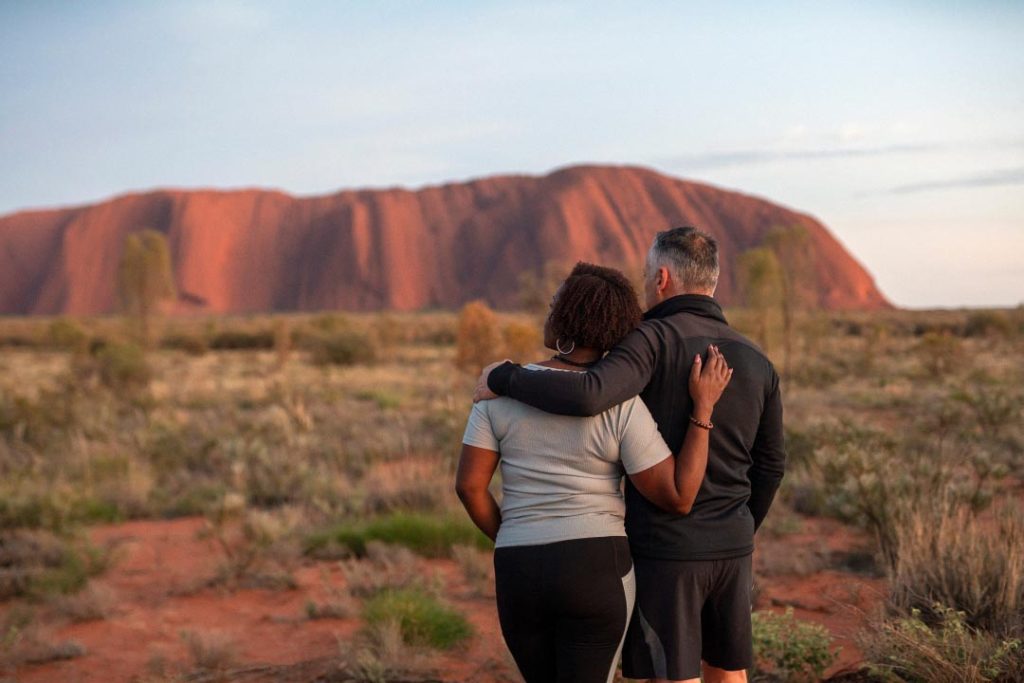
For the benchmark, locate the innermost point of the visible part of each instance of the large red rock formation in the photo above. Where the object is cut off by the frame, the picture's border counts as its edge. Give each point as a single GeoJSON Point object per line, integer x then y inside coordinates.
{"type": "Point", "coordinates": [253, 250]}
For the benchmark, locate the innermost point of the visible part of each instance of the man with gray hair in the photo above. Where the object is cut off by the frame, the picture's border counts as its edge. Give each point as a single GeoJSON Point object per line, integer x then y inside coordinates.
{"type": "Point", "coordinates": [693, 571]}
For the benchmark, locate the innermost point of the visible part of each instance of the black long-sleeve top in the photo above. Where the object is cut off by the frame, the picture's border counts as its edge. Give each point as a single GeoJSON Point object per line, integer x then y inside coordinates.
{"type": "Point", "coordinates": [746, 456]}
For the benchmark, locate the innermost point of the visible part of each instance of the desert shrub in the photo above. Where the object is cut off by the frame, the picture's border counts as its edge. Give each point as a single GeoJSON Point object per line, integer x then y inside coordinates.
{"type": "Point", "coordinates": [37, 422]}
{"type": "Point", "coordinates": [255, 544]}
{"type": "Point", "coordinates": [242, 340]}
{"type": "Point", "coordinates": [192, 344]}
{"type": "Point", "coordinates": [329, 323]}
{"type": "Point", "coordinates": [387, 657]}
{"type": "Point", "coordinates": [188, 449]}
{"type": "Point", "coordinates": [416, 484]}
{"type": "Point", "coordinates": [939, 352]}
{"type": "Point", "coordinates": [522, 341]}
{"type": "Point", "coordinates": [851, 474]}
{"type": "Point", "coordinates": [343, 348]}
{"type": "Point", "coordinates": [787, 649]}
{"type": "Point", "coordinates": [122, 366]}
{"type": "Point", "coordinates": [210, 651]}
{"type": "Point", "coordinates": [39, 564]}
{"type": "Point", "coordinates": [478, 340]}
{"type": "Point", "coordinates": [988, 324]}
{"type": "Point", "coordinates": [90, 604]}
{"type": "Point", "coordinates": [874, 479]}
{"type": "Point", "coordinates": [65, 333]}
{"type": "Point", "coordinates": [424, 620]}
{"type": "Point", "coordinates": [478, 567]}
{"type": "Point", "coordinates": [52, 510]}
{"type": "Point", "coordinates": [272, 476]}
{"type": "Point", "coordinates": [21, 642]}
{"type": "Point", "coordinates": [385, 566]}
{"type": "Point", "coordinates": [424, 535]}
{"type": "Point", "coordinates": [336, 602]}
{"type": "Point", "coordinates": [388, 332]}
{"type": "Point", "coordinates": [994, 409]}
{"type": "Point", "coordinates": [950, 651]}
{"type": "Point", "coordinates": [946, 555]}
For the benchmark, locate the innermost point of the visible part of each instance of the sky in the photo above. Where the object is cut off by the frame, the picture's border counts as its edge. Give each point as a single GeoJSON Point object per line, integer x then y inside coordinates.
{"type": "Point", "coordinates": [898, 124]}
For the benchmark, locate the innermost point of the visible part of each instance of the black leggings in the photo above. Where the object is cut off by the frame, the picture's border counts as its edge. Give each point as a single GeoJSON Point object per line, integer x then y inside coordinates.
{"type": "Point", "coordinates": [564, 607]}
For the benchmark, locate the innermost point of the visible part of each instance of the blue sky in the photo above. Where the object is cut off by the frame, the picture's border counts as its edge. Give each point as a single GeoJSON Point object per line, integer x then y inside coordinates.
{"type": "Point", "coordinates": [899, 124]}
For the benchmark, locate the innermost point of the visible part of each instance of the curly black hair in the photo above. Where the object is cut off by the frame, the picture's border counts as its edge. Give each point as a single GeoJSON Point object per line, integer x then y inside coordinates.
{"type": "Point", "coordinates": [594, 308]}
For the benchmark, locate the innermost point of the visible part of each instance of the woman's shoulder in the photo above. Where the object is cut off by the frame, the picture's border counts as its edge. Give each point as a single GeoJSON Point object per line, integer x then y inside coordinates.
{"type": "Point", "coordinates": [629, 409]}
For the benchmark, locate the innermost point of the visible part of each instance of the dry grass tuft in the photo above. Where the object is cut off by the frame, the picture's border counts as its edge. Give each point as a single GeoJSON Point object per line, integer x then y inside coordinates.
{"type": "Point", "coordinates": [948, 556]}
{"type": "Point", "coordinates": [210, 651]}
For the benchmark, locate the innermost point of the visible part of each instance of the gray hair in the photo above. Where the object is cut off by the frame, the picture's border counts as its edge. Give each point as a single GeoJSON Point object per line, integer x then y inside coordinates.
{"type": "Point", "coordinates": [690, 255]}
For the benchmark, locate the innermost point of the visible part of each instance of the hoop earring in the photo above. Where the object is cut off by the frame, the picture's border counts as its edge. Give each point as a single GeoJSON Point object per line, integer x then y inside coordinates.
{"type": "Point", "coordinates": [558, 347]}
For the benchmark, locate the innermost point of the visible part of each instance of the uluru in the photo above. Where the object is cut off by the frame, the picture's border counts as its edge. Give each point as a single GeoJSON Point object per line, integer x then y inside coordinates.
{"type": "Point", "coordinates": [239, 251]}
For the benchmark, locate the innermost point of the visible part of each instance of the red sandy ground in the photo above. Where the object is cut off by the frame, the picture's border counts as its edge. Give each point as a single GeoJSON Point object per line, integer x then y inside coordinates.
{"type": "Point", "coordinates": [161, 562]}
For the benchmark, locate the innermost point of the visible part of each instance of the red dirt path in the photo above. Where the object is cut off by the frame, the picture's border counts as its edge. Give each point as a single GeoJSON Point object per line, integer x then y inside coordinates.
{"type": "Point", "coordinates": [160, 563]}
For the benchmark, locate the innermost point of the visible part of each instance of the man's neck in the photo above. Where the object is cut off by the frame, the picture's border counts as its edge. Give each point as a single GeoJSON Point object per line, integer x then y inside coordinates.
{"type": "Point", "coordinates": [671, 294]}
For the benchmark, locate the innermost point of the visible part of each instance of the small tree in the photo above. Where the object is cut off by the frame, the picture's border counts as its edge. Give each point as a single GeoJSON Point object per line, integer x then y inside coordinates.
{"type": "Point", "coordinates": [478, 340]}
{"type": "Point", "coordinates": [145, 278]}
{"type": "Point", "coordinates": [537, 288]}
{"type": "Point", "coordinates": [791, 247]}
{"type": "Point", "coordinates": [522, 340]}
{"type": "Point", "coordinates": [761, 281]}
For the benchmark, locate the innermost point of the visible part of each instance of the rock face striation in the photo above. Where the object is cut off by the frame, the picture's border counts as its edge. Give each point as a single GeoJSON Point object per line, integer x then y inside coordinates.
{"type": "Point", "coordinates": [362, 250]}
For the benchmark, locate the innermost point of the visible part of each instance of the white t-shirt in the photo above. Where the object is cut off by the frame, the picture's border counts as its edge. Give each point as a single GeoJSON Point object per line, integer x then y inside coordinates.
{"type": "Point", "coordinates": [561, 475]}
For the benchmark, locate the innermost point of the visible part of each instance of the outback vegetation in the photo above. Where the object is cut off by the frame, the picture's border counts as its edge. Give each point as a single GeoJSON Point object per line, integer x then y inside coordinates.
{"type": "Point", "coordinates": [307, 461]}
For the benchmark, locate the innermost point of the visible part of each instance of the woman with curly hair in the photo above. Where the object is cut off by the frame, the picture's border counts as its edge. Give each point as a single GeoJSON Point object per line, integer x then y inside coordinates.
{"type": "Point", "coordinates": [563, 571]}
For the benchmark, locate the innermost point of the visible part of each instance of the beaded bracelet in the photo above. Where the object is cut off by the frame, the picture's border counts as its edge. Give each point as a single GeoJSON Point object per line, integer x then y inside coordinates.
{"type": "Point", "coordinates": [702, 425]}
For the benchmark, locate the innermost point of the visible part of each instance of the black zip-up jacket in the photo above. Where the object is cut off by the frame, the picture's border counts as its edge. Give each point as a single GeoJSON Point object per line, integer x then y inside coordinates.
{"type": "Point", "coordinates": [746, 456]}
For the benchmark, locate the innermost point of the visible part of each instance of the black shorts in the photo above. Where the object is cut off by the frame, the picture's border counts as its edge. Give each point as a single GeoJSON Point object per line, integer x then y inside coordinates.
{"type": "Point", "coordinates": [564, 607]}
{"type": "Point", "coordinates": [686, 611]}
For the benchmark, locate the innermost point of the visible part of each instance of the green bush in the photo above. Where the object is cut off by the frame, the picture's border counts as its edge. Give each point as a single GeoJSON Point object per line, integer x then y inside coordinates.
{"type": "Point", "coordinates": [939, 352]}
{"type": "Point", "coordinates": [240, 340]}
{"type": "Point", "coordinates": [988, 324]}
{"type": "Point", "coordinates": [192, 344]}
{"type": "Point", "coordinates": [123, 366]}
{"type": "Point", "coordinates": [424, 535]}
{"type": "Point", "coordinates": [909, 649]}
{"type": "Point", "coordinates": [343, 348]}
{"type": "Point", "coordinates": [40, 421]}
{"type": "Point", "coordinates": [65, 333]}
{"type": "Point", "coordinates": [788, 649]}
{"type": "Point", "coordinates": [38, 564]}
{"type": "Point", "coordinates": [423, 618]}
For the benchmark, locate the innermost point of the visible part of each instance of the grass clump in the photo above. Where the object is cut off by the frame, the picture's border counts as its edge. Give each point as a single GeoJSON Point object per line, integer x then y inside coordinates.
{"type": "Point", "coordinates": [787, 649]}
{"type": "Point", "coordinates": [424, 535]}
{"type": "Point", "coordinates": [948, 556]}
{"type": "Point", "coordinates": [423, 619]}
{"type": "Point", "coordinates": [949, 651]}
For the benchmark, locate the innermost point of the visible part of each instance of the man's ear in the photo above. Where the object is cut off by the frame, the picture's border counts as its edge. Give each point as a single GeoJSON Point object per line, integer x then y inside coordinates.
{"type": "Point", "coordinates": [661, 280]}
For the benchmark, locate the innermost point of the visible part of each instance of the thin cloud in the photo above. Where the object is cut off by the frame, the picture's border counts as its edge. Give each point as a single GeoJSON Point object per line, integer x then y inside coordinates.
{"type": "Point", "coordinates": [1001, 178]}
{"type": "Point", "coordinates": [746, 157]}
